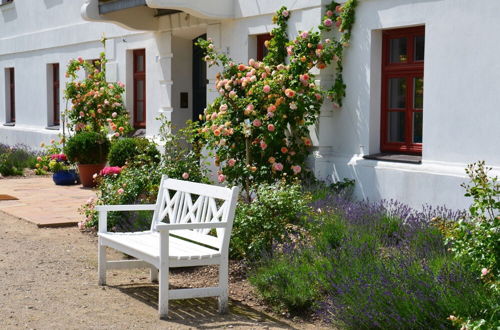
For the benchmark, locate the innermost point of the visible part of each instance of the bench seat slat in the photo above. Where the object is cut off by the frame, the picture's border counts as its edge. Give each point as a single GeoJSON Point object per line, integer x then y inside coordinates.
{"type": "Point", "coordinates": [148, 243]}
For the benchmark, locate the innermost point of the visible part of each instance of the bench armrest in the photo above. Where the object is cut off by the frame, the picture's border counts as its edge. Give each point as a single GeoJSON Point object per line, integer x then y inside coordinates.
{"type": "Point", "coordinates": [131, 207]}
{"type": "Point", "coordinates": [179, 226]}
{"type": "Point", "coordinates": [104, 209]}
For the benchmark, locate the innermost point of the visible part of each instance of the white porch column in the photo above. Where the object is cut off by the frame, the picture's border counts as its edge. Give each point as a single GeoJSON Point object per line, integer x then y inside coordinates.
{"type": "Point", "coordinates": [214, 33]}
{"type": "Point", "coordinates": [163, 77]}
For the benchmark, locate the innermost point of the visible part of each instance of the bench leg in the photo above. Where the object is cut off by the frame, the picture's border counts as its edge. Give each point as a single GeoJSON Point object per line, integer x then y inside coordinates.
{"type": "Point", "coordinates": [223, 286]}
{"type": "Point", "coordinates": [153, 272]}
{"type": "Point", "coordinates": [163, 294]}
{"type": "Point", "coordinates": [101, 268]}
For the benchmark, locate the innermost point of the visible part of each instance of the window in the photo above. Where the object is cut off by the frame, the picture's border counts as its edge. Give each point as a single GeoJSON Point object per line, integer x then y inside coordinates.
{"type": "Point", "coordinates": [402, 90]}
{"type": "Point", "coordinates": [261, 48]}
{"type": "Point", "coordinates": [56, 114]}
{"type": "Point", "coordinates": [140, 88]}
{"type": "Point", "coordinates": [10, 95]}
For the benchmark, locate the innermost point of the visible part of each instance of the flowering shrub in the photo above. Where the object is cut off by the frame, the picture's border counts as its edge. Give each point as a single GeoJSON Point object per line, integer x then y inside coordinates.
{"type": "Point", "coordinates": [58, 162]}
{"type": "Point", "coordinates": [367, 268]}
{"type": "Point", "coordinates": [276, 46]}
{"type": "Point", "coordinates": [271, 218]}
{"type": "Point", "coordinates": [259, 125]}
{"type": "Point", "coordinates": [52, 159]}
{"type": "Point", "coordinates": [96, 104]}
{"type": "Point", "coordinates": [110, 170]}
{"type": "Point", "coordinates": [476, 240]}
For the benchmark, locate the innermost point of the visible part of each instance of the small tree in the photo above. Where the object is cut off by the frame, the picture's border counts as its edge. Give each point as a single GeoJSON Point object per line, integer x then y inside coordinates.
{"type": "Point", "coordinates": [96, 105]}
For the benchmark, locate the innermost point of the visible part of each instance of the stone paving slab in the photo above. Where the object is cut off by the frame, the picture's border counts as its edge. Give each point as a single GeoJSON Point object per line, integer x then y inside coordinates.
{"type": "Point", "coordinates": [42, 202]}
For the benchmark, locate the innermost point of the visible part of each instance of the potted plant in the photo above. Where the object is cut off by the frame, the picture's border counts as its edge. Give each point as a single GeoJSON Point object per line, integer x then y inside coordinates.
{"type": "Point", "coordinates": [63, 174]}
{"type": "Point", "coordinates": [89, 150]}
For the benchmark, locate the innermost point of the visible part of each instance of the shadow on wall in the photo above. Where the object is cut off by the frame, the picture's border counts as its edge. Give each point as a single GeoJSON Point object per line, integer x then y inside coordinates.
{"type": "Point", "coordinates": [52, 3]}
{"type": "Point", "coordinates": [9, 12]}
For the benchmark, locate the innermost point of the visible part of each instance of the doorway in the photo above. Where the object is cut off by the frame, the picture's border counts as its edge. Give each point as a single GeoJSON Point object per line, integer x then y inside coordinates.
{"type": "Point", "coordinates": [199, 80]}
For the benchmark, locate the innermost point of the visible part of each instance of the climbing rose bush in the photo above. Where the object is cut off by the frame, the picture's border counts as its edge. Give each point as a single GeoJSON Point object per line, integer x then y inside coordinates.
{"type": "Point", "coordinates": [258, 127]}
{"type": "Point", "coordinates": [96, 105]}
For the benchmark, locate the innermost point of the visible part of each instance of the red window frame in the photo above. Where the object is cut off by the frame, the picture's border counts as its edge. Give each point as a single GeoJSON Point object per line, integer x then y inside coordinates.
{"type": "Point", "coordinates": [407, 70]}
{"type": "Point", "coordinates": [261, 48]}
{"type": "Point", "coordinates": [55, 94]}
{"type": "Point", "coordinates": [139, 76]}
{"type": "Point", "coordinates": [12, 93]}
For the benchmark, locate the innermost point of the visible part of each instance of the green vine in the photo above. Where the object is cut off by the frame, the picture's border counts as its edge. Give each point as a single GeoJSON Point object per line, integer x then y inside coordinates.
{"type": "Point", "coordinates": [341, 17]}
{"type": "Point", "coordinates": [276, 46]}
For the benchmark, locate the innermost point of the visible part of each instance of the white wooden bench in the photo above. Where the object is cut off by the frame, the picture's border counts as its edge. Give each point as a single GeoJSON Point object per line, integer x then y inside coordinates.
{"type": "Point", "coordinates": [184, 214]}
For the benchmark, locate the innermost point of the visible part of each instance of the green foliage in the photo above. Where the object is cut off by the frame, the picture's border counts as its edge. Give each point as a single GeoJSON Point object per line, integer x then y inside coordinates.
{"type": "Point", "coordinates": [13, 160]}
{"type": "Point", "coordinates": [96, 104]}
{"type": "Point", "coordinates": [132, 149]}
{"type": "Point", "coordinates": [271, 218]}
{"type": "Point", "coordinates": [87, 148]}
{"type": "Point", "coordinates": [277, 45]}
{"type": "Point", "coordinates": [476, 239]}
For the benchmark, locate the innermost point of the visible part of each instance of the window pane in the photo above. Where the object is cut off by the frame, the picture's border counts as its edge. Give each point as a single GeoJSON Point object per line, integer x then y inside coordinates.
{"type": "Point", "coordinates": [417, 127]}
{"type": "Point", "coordinates": [140, 63]}
{"type": "Point", "coordinates": [419, 48]}
{"type": "Point", "coordinates": [140, 90]}
{"type": "Point", "coordinates": [140, 111]}
{"type": "Point", "coordinates": [418, 93]}
{"type": "Point", "coordinates": [396, 120]}
{"type": "Point", "coordinates": [398, 51]}
{"type": "Point", "coordinates": [397, 93]}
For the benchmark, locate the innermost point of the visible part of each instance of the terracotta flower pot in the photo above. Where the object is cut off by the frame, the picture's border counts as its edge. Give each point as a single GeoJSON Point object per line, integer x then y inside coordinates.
{"type": "Point", "coordinates": [87, 172]}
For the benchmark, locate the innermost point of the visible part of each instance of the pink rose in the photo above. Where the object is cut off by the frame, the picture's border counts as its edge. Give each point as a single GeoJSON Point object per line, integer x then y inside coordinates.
{"type": "Point", "coordinates": [221, 178]}
{"type": "Point", "coordinates": [270, 128]}
{"type": "Point", "coordinates": [82, 114]}
{"type": "Point", "coordinates": [250, 107]}
{"type": "Point", "coordinates": [285, 13]}
{"type": "Point", "coordinates": [266, 89]}
{"type": "Point", "coordinates": [263, 145]}
{"type": "Point", "coordinates": [278, 166]}
{"type": "Point", "coordinates": [251, 62]}
{"type": "Point", "coordinates": [484, 271]}
{"type": "Point", "coordinates": [289, 92]}
{"type": "Point", "coordinates": [270, 114]}
{"type": "Point", "coordinates": [318, 96]}
{"type": "Point", "coordinates": [232, 94]}
{"type": "Point", "coordinates": [185, 175]}
{"type": "Point", "coordinates": [271, 108]}
{"type": "Point", "coordinates": [114, 114]}
{"type": "Point", "coordinates": [223, 107]}
{"type": "Point", "coordinates": [80, 59]}
{"type": "Point", "coordinates": [257, 123]}
{"type": "Point", "coordinates": [231, 162]}
{"type": "Point", "coordinates": [304, 34]}
{"type": "Point", "coordinates": [120, 191]}
{"type": "Point", "coordinates": [121, 84]}
{"type": "Point", "coordinates": [328, 22]}
{"type": "Point", "coordinates": [296, 169]}
{"type": "Point", "coordinates": [116, 134]}
{"type": "Point", "coordinates": [329, 13]}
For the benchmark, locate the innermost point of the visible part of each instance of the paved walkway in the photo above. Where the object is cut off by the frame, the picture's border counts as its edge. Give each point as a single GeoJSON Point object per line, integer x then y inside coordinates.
{"type": "Point", "coordinates": [42, 202]}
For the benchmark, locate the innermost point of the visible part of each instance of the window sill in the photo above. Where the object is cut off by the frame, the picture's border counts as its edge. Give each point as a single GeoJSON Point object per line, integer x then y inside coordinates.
{"type": "Point", "coordinates": [396, 158]}
{"type": "Point", "coordinates": [53, 128]}
{"type": "Point", "coordinates": [11, 124]}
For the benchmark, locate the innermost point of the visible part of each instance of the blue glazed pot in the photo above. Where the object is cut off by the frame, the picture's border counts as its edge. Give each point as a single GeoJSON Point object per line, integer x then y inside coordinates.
{"type": "Point", "coordinates": [65, 178]}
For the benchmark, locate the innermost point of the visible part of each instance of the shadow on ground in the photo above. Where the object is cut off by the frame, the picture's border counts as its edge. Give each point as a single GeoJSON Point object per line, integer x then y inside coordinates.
{"type": "Point", "coordinates": [190, 311]}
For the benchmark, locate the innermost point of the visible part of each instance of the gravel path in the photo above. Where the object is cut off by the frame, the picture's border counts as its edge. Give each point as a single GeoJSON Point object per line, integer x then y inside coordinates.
{"type": "Point", "coordinates": [48, 280]}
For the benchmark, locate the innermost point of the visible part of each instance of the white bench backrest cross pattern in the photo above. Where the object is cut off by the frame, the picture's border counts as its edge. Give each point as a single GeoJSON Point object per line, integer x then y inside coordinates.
{"type": "Point", "coordinates": [185, 215]}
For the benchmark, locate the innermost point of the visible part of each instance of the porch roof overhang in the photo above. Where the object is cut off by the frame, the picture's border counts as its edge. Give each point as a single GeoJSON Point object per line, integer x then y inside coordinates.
{"type": "Point", "coordinates": [143, 14]}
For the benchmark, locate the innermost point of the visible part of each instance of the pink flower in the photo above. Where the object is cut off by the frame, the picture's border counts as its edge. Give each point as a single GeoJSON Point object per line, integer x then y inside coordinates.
{"type": "Point", "coordinates": [223, 107]}
{"type": "Point", "coordinates": [114, 114]}
{"type": "Point", "coordinates": [338, 23]}
{"type": "Point", "coordinates": [250, 107]}
{"type": "Point", "coordinates": [110, 170]}
{"type": "Point", "coordinates": [289, 92]}
{"type": "Point", "coordinates": [251, 62]}
{"type": "Point", "coordinates": [116, 134]}
{"type": "Point", "coordinates": [257, 123]}
{"type": "Point", "coordinates": [484, 271]}
{"type": "Point", "coordinates": [266, 89]}
{"type": "Point", "coordinates": [278, 166]}
{"type": "Point", "coordinates": [289, 50]}
{"type": "Point", "coordinates": [293, 106]}
{"type": "Point", "coordinates": [82, 114]}
{"type": "Point", "coordinates": [285, 13]}
{"type": "Point", "coordinates": [329, 13]}
{"type": "Point", "coordinates": [221, 178]}
{"type": "Point", "coordinates": [242, 67]}
{"type": "Point", "coordinates": [263, 145]}
{"type": "Point", "coordinates": [213, 116]}
{"type": "Point", "coordinates": [81, 225]}
{"type": "Point", "coordinates": [304, 34]}
{"type": "Point", "coordinates": [296, 169]}
{"type": "Point", "coordinates": [271, 108]}
{"type": "Point", "coordinates": [120, 191]}
{"type": "Point", "coordinates": [121, 84]}
{"type": "Point", "coordinates": [185, 175]}
{"type": "Point", "coordinates": [38, 159]}
{"type": "Point", "coordinates": [231, 162]}
{"type": "Point", "coordinates": [232, 94]}
{"type": "Point", "coordinates": [328, 22]}
{"type": "Point", "coordinates": [270, 114]}
{"type": "Point", "coordinates": [80, 59]}
{"type": "Point", "coordinates": [270, 128]}
{"type": "Point", "coordinates": [318, 96]}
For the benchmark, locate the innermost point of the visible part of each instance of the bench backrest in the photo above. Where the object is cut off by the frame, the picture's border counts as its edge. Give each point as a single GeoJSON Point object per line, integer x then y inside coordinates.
{"type": "Point", "coordinates": [190, 202]}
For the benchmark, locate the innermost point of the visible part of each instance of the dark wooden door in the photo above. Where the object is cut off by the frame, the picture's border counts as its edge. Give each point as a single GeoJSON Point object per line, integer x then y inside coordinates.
{"type": "Point", "coordinates": [199, 80]}
{"type": "Point", "coordinates": [55, 93]}
{"type": "Point", "coordinates": [12, 93]}
{"type": "Point", "coordinates": [140, 88]}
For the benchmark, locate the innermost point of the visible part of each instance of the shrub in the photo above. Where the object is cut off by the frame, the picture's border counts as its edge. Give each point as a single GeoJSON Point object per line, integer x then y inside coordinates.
{"type": "Point", "coordinates": [367, 268]}
{"type": "Point", "coordinates": [270, 219]}
{"type": "Point", "coordinates": [130, 149]}
{"type": "Point", "coordinates": [13, 160]}
{"type": "Point", "coordinates": [87, 148]}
